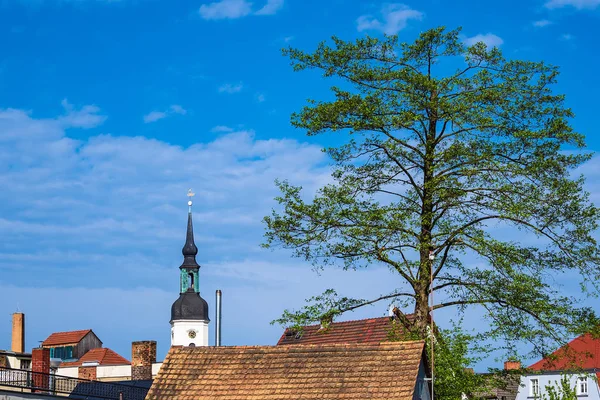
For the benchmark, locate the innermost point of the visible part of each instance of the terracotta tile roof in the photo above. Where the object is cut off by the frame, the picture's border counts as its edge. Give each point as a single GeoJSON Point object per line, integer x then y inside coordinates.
{"type": "Point", "coordinates": [581, 352]}
{"type": "Point", "coordinates": [104, 356]}
{"type": "Point", "coordinates": [372, 330]}
{"type": "Point", "coordinates": [58, 338]}
{"type": "Point", "coordinates": [342, 371]}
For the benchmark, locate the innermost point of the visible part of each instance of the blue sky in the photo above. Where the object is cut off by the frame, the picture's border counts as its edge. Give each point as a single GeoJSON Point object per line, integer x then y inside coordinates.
{"type": "Point", "coordinates": [110, 110]}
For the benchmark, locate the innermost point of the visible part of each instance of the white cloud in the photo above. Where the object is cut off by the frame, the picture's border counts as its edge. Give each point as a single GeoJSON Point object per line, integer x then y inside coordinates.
{"type": "Point", "coordinates": [270, 8]}
{"type": "Point", "coordinates": [221, 128]}
{"type": "Point", "coordinates": [288, 39]}
{"type": "Point", "coordinates": [86, 117]}
{"type": "Point", "coordinates": [261, 98]}
{"type": "Point", "coordinates": [154, 116]}
{"type": "Point", "coordinates": [489, 39]}
{"type": "Point", "coordinates": [394, 18]}
{"type": "Point", "coordinates": [578, 4]}
{"type": "Point", "coordinates": [542, 23]}
{"type": "Point", "coordinates": [225, 9]}
{"type": "Point", "coordinates": [107, 216]}
{"type": "Point", "coordinates": [231, 88]}
{"type": "Point", "coordinates": [177, 109]}
{"type": "Point", "coordinates": [567, 36]}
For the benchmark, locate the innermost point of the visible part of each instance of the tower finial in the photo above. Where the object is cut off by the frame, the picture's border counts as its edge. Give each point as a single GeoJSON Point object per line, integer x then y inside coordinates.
{"type": "Point", "coordinates": [189, 249]}
{"type": "Point", "coordinates": [190, 194]}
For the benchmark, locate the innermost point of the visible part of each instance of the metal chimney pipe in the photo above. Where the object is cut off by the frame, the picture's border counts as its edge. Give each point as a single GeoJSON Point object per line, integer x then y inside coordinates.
{"type": "Point", "coordinates": [218, 318]}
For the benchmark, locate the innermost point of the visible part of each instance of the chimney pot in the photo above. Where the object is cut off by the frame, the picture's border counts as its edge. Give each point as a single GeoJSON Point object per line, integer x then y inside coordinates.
{"type": "Point", "coordinates": [143, 355]}
{"type": "Point", "coordinates": [512, 365]}
{"type": "Point", "coordinates": [40, 368]}
{"type": "Point", "coordinates": [18, 333]}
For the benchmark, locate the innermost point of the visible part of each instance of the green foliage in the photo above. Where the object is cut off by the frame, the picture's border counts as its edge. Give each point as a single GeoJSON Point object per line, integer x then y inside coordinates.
{"type": "Point", "coordinates": [560, 391]}
{"type": "Point", "coordinates": [453, 377]}
{"type": "Point", "coordinates": [324, 308]}
{"type": "Point", "coordinates": [451, 151]}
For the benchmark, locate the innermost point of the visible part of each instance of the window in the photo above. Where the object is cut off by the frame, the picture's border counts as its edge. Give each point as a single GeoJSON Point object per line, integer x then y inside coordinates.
{"type": "Point", "coordinates": [534, 388]}
{"type": "Point", "coordinates": [25, 364]}
{"type": "Point", "coordinates": [64, 353]}
{"type": "Point", "coordinates": [191, 281]}
{"type": "Point", "coordinates": [582, 386]}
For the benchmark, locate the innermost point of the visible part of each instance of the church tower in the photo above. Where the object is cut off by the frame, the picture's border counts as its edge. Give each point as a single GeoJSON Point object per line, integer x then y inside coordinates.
{"type": "Point", "coordinates": [189, 313]}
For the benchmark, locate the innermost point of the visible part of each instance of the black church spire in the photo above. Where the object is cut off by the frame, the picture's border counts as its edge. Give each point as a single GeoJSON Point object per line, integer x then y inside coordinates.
{"type": "Point", "coordinates": [189, 250]}
{"type": "Point", "coordinates": [189, 305]}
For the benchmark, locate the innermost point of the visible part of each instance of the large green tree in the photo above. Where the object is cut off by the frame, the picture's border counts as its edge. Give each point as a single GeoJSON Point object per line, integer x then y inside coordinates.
{"type": "Point", "coordinates": [455, 169]}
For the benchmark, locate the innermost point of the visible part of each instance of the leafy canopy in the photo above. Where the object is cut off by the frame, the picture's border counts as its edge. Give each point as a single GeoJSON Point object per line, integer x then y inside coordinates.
{"type": "Point", "coordinates": [456, 172]}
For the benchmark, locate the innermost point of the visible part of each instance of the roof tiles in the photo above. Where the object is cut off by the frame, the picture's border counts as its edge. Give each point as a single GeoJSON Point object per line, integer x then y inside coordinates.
{"type": "Point", "coordinates": [58, 338]}
{"type": "Point", "coordinates": [372, 330]}
{"type": "Point", "coordinates": [342, 371]}
{"type": "Point", "coordinates": [582, 352]}
{"type": "Point", "coordinates": [104, 356]}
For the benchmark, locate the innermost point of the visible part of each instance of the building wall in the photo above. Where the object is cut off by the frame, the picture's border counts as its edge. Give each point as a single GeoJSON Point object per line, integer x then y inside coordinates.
{"type": "Point", "coordinates": [180, 333]}
{"type": "Point", "coordinates": [90, 341]}
{"type": "Point", "coordinates": [68, 371]}
{"type": "Point", "coordinates": [422, 385]}
{"type": "Point", "coordinates": [123, 372]}
{"type": "Point", "coordinates": [553, 379]}
{"type": "Point", "coordinates": [107, 373]}
{"type": "Point", "coordinates": [12, 360]}
{"type": "Point", "coordinates": [156, 368]}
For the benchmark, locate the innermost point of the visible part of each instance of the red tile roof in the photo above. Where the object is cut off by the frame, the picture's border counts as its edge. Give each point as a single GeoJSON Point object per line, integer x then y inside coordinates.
{"type": "Point", "coordinates": [372, 330]}
{"type": "Point", "coordinates": [342, 371]}
{"type": "Point", "coordinates": [58, 338]}
{"type": "Point", "coordinates": [582, 352]}
{"type": "Point", "coordinates": [104, 356]}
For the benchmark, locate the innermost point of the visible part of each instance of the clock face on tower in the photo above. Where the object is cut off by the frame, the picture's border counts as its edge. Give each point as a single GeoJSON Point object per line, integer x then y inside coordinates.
{"type": "Point", "coordinates": [192, 334]}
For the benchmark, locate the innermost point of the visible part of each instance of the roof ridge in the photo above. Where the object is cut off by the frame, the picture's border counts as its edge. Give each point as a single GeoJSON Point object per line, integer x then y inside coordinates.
{"type": "Point", "coordinates": [346, 322]}
{"type": "Point", "coordinates": [314, 345]}
{"type": "Point", "coordinates": [76, 330]}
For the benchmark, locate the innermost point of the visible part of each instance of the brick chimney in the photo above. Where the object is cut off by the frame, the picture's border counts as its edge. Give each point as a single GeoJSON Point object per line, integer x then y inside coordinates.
{"type": "Point", "coordinates": [18, 333]}
{"type": "Point", "coordinates": [143, 355]}
{"type": "Point", "coordinates": [512, 365]}
{"type": "Point", "coordinates": [87, 372]}
{"type": "Point", "coordinates": [40, 367]}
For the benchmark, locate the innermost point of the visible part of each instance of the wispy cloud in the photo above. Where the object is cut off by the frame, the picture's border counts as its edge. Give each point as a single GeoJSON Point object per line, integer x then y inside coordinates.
{"type": "Point", "coordinates": [578, 4]}
{"type": "Point", "coordinates": [288, 39]}
{"type": "Point", "coordinates": [394, 18]}
{"type": "Point", "coordinates": [177, 109]}
{"type": "Point", "coordinates": [221, 128]}
{"type": "Point", "coordinates": [567, 36]}
{"type": "Point", "coordinates": [270, 8]}
{"type": "Point", "coordinates": [261, 98]}
{"type": "Point", "coordinates": [154, 116]}
{"type": "Point", "coordinates": [225, 9]}
{"type": "Point", "coordinates": [86, 117]}
{"type": "Point", "coordinates": [542, 23]}
{"type": "Point", "coordinates": [489, 39]}
{"type": "Point", "coordinates": [233, 9]}
{"type": "Point", "coordinates": [231, 88]}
